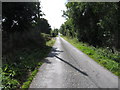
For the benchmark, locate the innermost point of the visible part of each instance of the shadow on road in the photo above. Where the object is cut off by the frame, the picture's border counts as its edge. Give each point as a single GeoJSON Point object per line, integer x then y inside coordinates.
{"type": "Point", "coordinates": [72, 66]}
{"type": "Point", "coordinates": [54, 53]}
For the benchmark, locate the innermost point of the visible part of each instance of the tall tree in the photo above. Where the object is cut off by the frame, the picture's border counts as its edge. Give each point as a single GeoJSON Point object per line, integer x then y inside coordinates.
{"type": "Point", "coordinates": [45, 27]}
{"type": "Point", "coordinates": [94, 23]}
{"type": "Point", "coordinates": [18, 23]}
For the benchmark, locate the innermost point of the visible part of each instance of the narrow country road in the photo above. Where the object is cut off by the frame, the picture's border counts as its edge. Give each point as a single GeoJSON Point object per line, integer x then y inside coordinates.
{"type": "Point", "coordinates": [67, 67]}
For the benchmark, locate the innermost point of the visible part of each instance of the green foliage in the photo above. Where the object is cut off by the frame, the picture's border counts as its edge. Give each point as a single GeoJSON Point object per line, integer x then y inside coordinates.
{"type": "Point", "coordinates": [27, 83]}
{"type": "Point", "coordinates": [7, 78]}
{"type": "Point", "coordinates": [54, 32]}
{"type": "Point", "coordinates": [44, 26]}
{"type": "Point", "coordinates": [93, 23]}
{"type": "Point", "coordinates": [28, 39]}
{"type": "Point", "coordinates": [19, 16]}
{"type": "Point", "coordinates": [103, 56]}
{"type": "Point", "coordinates": [47, 37]}
{"type": "Point", "coordinates": [22, 24]}
{"type": "Point", "coordinates": [51, 42]}
{"type": "Point", "coordinates": [23, 43]}
{"type": "Point", "coordinates": [23, 66]}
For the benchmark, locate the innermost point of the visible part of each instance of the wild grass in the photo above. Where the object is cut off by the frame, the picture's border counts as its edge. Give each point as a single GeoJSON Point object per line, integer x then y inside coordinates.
{"type": "Point", "coordinates": [18, 73]}
{"type": "Point", "coordinates": [103, 56]}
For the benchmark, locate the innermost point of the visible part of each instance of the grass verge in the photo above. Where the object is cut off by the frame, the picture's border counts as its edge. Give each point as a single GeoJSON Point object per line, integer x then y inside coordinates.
{"type": "Point", "coordinates": [20, 72]}
{"type": "Point", "coordinates": [101, 55]}
{"type": "Point", "coordinates": [32, 75]}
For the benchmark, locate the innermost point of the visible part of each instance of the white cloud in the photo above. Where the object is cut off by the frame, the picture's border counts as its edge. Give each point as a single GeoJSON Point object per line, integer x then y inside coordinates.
{"type": "Point", "coordinates": [52, 10]}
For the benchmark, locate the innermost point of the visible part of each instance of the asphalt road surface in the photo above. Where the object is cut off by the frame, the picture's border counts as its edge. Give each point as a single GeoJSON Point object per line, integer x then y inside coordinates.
{"type": "Point", "coordinates": [68, 67]}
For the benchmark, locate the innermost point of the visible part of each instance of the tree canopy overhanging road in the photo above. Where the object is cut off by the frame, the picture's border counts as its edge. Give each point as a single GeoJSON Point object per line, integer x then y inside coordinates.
{"type": "Point", "coordinates": [67, 67]}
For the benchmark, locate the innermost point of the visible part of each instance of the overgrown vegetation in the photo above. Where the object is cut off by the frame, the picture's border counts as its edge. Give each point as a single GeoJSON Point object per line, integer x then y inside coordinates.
{"type": "Point", "coordinates": [26, 41]}
{"type": "Point", "coordinates": [43, 54]}
{"type": "Point", "coordinates": [95, 23]}
{"type": "Point", "coordinates": [23, 66]}
{"type": "Point", "coordinates": [104, 56]}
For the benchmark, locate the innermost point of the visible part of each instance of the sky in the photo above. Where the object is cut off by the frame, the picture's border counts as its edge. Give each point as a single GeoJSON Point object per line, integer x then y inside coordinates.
{"type": "Point", "coordinates": [53, 12]}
